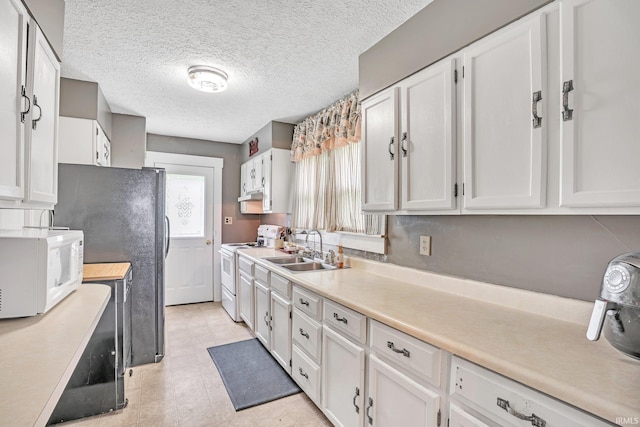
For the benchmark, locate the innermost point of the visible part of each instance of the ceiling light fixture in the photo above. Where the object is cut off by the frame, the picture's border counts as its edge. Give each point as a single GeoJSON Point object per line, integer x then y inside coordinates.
{"type": "Point", "coordinates": [207, 79]}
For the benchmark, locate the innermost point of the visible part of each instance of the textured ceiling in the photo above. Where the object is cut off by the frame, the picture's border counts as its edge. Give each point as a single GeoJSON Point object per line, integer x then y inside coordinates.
{"type": "Point", "coordinates": [285, 59]}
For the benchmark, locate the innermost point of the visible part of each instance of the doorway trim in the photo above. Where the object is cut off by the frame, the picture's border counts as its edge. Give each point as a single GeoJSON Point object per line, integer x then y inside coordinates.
{"type": "Point", "coordinates": [216, 164]}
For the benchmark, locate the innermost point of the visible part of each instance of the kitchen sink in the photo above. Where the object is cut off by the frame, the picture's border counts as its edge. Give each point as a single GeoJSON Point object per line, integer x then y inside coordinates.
{"type": "Point", "coordinates": [308, 266]}
{"type": "Point", "coordinates": [287, 260]}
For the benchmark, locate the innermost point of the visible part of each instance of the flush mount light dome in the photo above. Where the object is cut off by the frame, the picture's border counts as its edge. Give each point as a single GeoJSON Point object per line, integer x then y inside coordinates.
{"type": "Point", "coordinates": [207, 79]}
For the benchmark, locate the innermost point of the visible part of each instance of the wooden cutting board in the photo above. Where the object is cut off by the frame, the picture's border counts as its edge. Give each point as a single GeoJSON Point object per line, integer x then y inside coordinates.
{"type": "Point", "coordinates": [107, 271]}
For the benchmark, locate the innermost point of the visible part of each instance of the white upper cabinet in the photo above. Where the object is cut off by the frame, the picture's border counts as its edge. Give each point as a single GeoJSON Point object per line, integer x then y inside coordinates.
{"type": "Point", "coordinates": [253, 174]}
{"type": "Point", "coordinates": [504, 139]}
{"type": "Point", "coordinates": [13, 98]}
{"type": "Point", "coordinates": [427, 148]}
{"type": "Point", "coordinates": [380, 151]}
{"type": "Point", "coordinates": [41, 145]}
{"type": "Point", "coordinates": [600, 63]}
{"type": "Point", "coordinates": [82, 141]}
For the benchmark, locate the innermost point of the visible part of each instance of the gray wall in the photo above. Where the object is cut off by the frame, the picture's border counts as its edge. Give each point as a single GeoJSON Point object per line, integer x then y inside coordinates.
{"type": "Point", "coordinates": [85, 100]}
{"type": "Point", "coordinates": [441, 28]}
{"type": "Point", "coordinates": [560, 255]}
{"type": "Point", "coordinates": [49, 14]}
{"type": "Point", "coordinates": [128, 141]}
{"type": "Point", "coordinates": [244, 227]}
{"type": "Point", "coordinates": [272, 135]}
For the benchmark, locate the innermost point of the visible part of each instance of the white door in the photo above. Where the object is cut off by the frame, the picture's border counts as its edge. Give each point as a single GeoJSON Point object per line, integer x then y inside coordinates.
{"type": "Point", "coordinates": [397, 400]}
{"type": "Point", "coordinates": [281, 331]}
{"type": "Point", "coordinates": [504, 143]}
{"type": "Point", "coordinates": [263, 313]}
{"type": "Point", "coordinates": [342, 380]}
{"type": "Point", "coordinates": [600, 66]}
{"type": "Point", "coordinates": [13, 45]}
{"type": "Point", "coordinates": [189, 206]}
{"type": "Point", "coordinates": [380, 151]}
{"type": "Point", "coordinates": [427, 140]}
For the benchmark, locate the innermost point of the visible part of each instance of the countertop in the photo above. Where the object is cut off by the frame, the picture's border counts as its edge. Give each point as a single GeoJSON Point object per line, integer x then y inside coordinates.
{"type": "Point", "coordinates": [536, 339]}
{"type": "Point", "coordinates": [40, 353]}
{"type": "Point", "coordinates": [108, 271]}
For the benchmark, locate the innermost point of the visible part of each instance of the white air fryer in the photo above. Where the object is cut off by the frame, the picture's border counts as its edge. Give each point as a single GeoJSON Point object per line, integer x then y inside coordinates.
{"type": "Point", "coordinates": [617, 311]}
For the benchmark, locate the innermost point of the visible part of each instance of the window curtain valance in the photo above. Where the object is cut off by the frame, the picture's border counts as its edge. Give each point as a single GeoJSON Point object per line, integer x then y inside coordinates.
{"type": "Point", "coordinates": [333, 127]}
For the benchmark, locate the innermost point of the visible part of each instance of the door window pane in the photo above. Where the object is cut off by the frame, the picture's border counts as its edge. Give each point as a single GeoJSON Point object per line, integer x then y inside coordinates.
{"type": "Point", "coordinates": [185, 205]}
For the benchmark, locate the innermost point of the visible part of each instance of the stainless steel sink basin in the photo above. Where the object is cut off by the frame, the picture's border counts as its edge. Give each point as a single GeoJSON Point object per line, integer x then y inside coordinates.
{"type": "Point", "coordinates": [308, 266]}
{"type": "Point", "coordinates": [287, 260]}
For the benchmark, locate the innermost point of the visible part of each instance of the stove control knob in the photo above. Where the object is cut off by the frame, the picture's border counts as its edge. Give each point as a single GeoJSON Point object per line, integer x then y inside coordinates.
{"type": "Point", "coordinates": [616, 279]}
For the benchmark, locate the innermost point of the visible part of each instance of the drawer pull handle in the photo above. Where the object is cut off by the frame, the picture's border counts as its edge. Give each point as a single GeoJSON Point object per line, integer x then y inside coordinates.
{"type": "Point", "coordinates": [533, 418]}
{"type": "Point", "coordinates": [303, 302]}
{"type": "Point", "coordinates": [303, 373]}
{"type": "Point", "coordinates": [393, 348]}
{"type": "Point", "coordinates": [304, 334]}
{"type": "Point", "coordinates": [340, 319]}
{"type": "Point", "coordinates": [367, 411]}
{"type": "Point", "coordinates": [354, 400]}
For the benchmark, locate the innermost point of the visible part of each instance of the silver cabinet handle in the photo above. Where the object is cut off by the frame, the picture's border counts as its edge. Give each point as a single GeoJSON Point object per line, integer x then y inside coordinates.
{"type": "Point", "coordinates": [266, 322]}
{"type": "Point", "coordinates": [303, 302]}
{"type": "Point", "coordinates": [340, 319]}
{"type": "Point", "coordinates": [403, 144]}
{"type": "Point", "coordinates": [393, 348]}
{"type": "Point", "coordinates": [354, 400]}
{"type": "Point", "coordinates": [391, 153]}
{"type": "Point", "coordinates": [303, 373]}
{"type": "Point", "coordinates": [24, 113]}
{"type": "Point", "coordinates": [533, 418]}
{"type": "Point", "coordinates": [34, 122]}
{"type": "Point", "coordinates": [369, 417]}
{"type": "Point", "coordinates": [304, 334]}
{"type": "Point", "coordinates": [567, 113]}
{"type": "Point", "coordinates": [537, 120]}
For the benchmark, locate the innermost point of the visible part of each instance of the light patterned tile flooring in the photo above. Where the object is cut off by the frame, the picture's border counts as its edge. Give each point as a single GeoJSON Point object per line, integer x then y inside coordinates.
{"type": "Point", "coordinates": [185, 389]}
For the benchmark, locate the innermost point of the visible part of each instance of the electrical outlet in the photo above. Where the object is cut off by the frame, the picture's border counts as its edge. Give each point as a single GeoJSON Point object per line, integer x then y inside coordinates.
{"type": "Point", "coordinates": [228, 220]}
{"type": "Point", "coordinates": [425, 245]}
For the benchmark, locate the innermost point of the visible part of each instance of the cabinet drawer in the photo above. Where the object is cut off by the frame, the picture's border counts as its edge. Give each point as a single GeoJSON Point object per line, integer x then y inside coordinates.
{"type": "Point", "coordinates": [262, 274]}
{"type": "Point", "coordinates": [306, 373]}
{"type": "Point", "coordinates": [498, 398]}
{"type": "Point", "coordinates": [308, 302]}
{"type": "Point", "coordinates": [406, 352]}
{"type": "Point", "coordinates": [281, 285]}
{"type": "Point", "coordinates": [345, 320]}
{"type": "Point", "coordinates": [307, 333]}
{"type": "Point", "coordinates": [246, 266]}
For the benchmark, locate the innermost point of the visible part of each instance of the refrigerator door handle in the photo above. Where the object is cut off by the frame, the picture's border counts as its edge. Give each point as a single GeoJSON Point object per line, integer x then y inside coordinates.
{"type": "Point", "coordinates": [167, 236]}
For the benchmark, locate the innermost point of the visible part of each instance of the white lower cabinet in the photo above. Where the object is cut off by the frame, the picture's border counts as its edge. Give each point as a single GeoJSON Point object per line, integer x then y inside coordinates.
{"type": "Point", "coordinates": [458, 417]}
{"type": "Point", "coordinates": [343, 369]}
{"type": "Point", "coordinates": [247, 300]}
{"type": "Point", "coordinates": [509, 403]}
{"type": "Point", "coordinates": [394, 399]}
{"type": "Point", "coordinates": [280, 329]}
{"type": "Point", "coordinates": [306, 373]}
{"type": "Point", "coordinates": [263, 313]}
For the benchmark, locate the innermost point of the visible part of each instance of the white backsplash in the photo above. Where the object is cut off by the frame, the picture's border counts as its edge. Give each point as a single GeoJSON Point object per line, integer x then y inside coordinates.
{"type": "Point", "coordinates": [13, 219]}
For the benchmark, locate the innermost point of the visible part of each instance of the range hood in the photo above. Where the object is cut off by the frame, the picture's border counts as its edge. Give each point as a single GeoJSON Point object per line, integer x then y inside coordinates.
{"type": "Point", "coordinates": [251, 196]}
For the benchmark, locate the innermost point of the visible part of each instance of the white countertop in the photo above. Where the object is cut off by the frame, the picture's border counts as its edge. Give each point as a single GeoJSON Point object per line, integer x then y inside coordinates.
{"type": "Point", "coordinates": [536, 339]}
{"type": "Point", "coordinates": [38, 355]}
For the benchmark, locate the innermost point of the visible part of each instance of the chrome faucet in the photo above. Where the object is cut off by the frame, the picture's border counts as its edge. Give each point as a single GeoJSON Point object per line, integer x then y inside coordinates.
{"type": "Point", "coordinates": [315, 253]}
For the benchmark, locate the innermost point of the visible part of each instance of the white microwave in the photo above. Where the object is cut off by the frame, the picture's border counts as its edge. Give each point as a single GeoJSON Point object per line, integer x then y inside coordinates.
{"type": "Point", "coordinates": [38, 269]}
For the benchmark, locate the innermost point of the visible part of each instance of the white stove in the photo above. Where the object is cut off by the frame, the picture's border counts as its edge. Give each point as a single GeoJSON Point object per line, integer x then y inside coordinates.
{"type": "Point", "coordinates": [229, 277]}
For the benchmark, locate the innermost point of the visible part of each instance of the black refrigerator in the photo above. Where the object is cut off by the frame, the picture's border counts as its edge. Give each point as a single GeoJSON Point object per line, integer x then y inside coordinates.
{"type": "Point", "coordinates": [122, 214]}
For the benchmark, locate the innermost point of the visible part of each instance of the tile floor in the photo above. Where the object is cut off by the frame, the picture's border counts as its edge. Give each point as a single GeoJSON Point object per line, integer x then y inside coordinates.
{"type": "Point", "coordinates": [185, 389]}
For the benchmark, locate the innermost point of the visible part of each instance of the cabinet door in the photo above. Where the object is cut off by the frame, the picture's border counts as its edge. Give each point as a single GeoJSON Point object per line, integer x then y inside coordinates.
{"type": "Point", "coordinates": [599, 135]}
{"type": "Point", "coordinates": [380, 151]}
{"type": "Point", "coordinates": [246, 301]}
{"type": "Point", "coordinates": [504, 145]}
{"type": "Point", "coordinates": [249, 172]}
{"type": "Point", "coordinates": [266, 172]}
{"type": "Point", "coordinates": [263, 314]}
{"type": "Point", "coordinates": [281, 331]}
{"type": "Point", "coordinates": [243, 180]}
{"type": "Point", "coordinates": [342, 380]}
{"type": "Point", "coordinates": [397, 400]}
{"type": "Point", "coordinates": [103, 147]}
{"type": "Point", "coordinates": [13, 45]}
{"type": "Point", "coordinates": [427, 140]}
{"type": "Point", "coordinates": [458, 417]}
{"type": "Point", "coordinates": [42, 136]}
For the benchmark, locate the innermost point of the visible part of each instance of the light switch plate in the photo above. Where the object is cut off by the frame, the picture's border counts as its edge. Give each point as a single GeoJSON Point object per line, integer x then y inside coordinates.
{"type": "Point", "coordinates": [228, 220]}
{"type": "Point", "coordinates": [425, 245]}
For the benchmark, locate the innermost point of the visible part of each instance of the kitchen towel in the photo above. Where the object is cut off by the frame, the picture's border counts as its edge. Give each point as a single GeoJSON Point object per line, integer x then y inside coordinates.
{"type": "Point", "coordinates": [250, 374]}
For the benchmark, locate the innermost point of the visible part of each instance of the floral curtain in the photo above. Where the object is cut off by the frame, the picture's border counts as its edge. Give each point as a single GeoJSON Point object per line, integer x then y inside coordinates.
{"type": "Point", "coordinates": [333, 127]}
